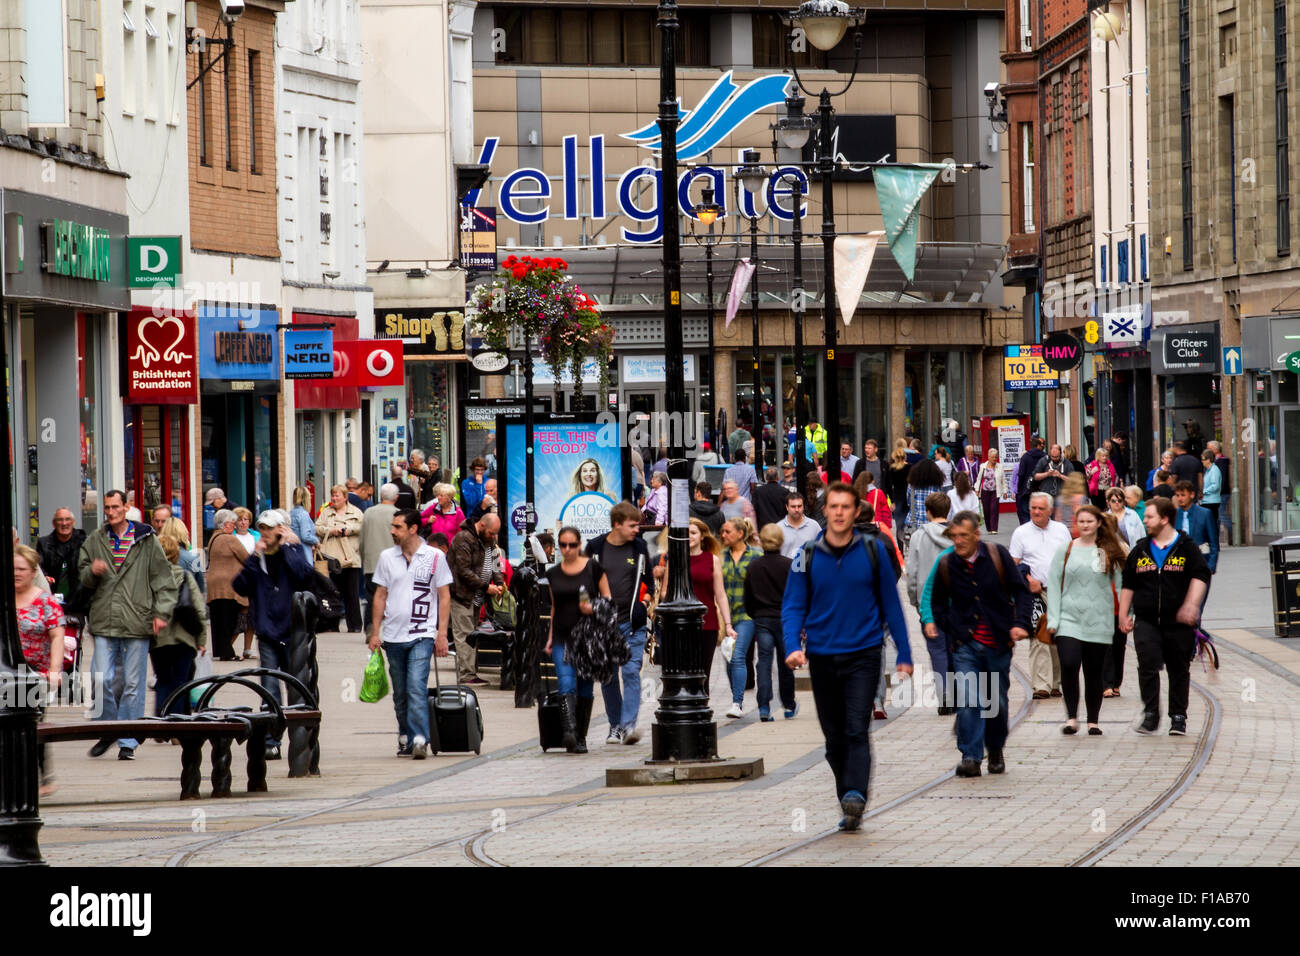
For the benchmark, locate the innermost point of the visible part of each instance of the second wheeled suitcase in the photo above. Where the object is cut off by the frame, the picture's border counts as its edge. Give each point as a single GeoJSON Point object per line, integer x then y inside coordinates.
{"type": "Point", "coordinates": [455, 720]}
{"type": "Point", "coordinates": [550, 723]}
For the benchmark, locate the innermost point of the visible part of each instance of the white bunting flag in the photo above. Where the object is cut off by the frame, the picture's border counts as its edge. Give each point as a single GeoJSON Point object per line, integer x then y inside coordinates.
{"type": "Point", "coordinates": [853, 255]}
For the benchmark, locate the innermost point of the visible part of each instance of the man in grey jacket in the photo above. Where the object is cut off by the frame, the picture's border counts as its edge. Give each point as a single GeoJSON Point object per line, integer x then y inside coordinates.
{"type": "Point", "coordinates": [134, 597]}
{"type": "Point", "coordinates": [927, 543]}
{"type": "Point", "coordinates": [376, 538]}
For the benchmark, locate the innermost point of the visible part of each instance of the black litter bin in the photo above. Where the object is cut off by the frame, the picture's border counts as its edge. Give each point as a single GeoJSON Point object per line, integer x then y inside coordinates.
{"type": "Point", "coordinates": [1284, 559]}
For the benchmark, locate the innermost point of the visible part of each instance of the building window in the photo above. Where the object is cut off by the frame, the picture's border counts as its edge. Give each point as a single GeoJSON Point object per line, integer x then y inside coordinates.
{"type": "Point", "coordinates": [228, 84]}
{"type": "Point", "coordinates": [205, 132]}
{"type": "Point", "coordinates": [254, 88]}
{"type": "Point", "coordinates": [545, 36]}
{"type": "Point", "coordinates": [1082, 183]}
{"type": "Point", "coordinates": [1121, 261]}
{"type": "Point", "coordinates": [174, 72]}
{"type": "Point", "coordinates": [155, 87]}
{"type": "Point", "coordinates": [772, 47]}
{"type": "Point", "coordinates": [1283, 130]}
{"type": "Point", "coordinates": [1185, 133]}
{"type": "Point", "coordinates": [1228, 117]}
{"type": "Point", "coordinates": [130, 57]}
{"type": "Point", "coordinates": [1026, 27]}
{"type": "Point", "coordinates": [1027, 172]}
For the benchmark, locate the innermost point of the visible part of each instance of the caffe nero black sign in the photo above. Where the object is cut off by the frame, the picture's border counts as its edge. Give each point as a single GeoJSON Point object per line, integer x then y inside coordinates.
{"type": "Point", "coordinates": [857, 139]}
{"type": "Point", "coordinates": [1191, 349]}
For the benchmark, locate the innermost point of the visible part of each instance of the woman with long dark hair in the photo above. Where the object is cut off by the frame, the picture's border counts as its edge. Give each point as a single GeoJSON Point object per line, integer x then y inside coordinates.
{"type": "Point", "coordinates": [1082, 593]}
{"type": "Point", "coordinates": [923, 480]}
{"type": "Point", "coordinates": [575, 582]}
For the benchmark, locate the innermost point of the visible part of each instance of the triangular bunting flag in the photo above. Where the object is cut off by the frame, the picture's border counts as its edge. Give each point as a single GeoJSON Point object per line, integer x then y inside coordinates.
{"type": "Point", "coordinates": [899, 189]}
{"type": "Point", "coordinates": [739, 283]}
{"type": "Point", "coordinates": [853, 255]}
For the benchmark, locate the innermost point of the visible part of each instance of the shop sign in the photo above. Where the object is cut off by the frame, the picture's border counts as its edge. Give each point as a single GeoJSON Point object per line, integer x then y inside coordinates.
{"type": "Point", "coordinates": [1293, 362]}
{"type": "Point", "coordinates": [649, 369]}
{"type": "Point", "coordinates": [234, 348]}
{"type": "Point", "coordinates": [478, 238]}
{"type": "Point", "coordinates": [719, 113]}
{"type": "Point", "coordinates": [1062, 351]}
{"type": "Point", "coordinates": [76, 250]}
{"type": "Point", "coordinates": [309, 354]}
{"type": "Point", "coordinates": [424, 331]}
{"type": "Point", "coordinates": [542, 374]}
{"type": "Point", "coordinates": [368, 363]}
{"type": "Point", "coordinates": [161, 359]}
{"type": "Point", "coordinates": [1025, 369]}
{"type": "Point", "coordinates": [490, 363]}
{"type": "Point", "coordinates": [153, 261]}
{"type": "Point", "coordinates": [1191, 350]}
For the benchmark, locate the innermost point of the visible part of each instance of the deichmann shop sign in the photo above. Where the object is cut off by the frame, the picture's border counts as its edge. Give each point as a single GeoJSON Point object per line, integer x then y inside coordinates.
{"type": "Point", "coordinates": [64, 253]}
{"type": "Point", "coordinates": [719, 113]}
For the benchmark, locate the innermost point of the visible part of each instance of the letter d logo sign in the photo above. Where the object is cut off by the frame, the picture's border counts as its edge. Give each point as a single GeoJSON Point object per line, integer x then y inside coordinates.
{"type": "Point", "coordinates": [153, 259]}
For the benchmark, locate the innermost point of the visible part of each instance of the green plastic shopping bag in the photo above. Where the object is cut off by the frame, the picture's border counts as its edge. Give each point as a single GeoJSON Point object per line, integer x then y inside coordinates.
{"type": "Point", "coordinates": [374, 685]}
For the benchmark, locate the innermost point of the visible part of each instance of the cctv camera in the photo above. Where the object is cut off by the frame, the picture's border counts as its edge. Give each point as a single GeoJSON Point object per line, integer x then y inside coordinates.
{"type": "Point", "coordinates": [232, 10]}
{"type": "Point", "coordinates": [990, 90]}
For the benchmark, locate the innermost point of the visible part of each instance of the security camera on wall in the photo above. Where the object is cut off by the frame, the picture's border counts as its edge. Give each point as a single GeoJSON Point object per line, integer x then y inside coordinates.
{"type": "Point", "coordinates": [232, 10]}
{"type": "Point", "coordinates": [991, 90]}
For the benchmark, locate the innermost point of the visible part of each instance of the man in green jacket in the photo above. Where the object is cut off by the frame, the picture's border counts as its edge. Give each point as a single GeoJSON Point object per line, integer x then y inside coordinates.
{"type": "Point", "coordinates": [134, 596]}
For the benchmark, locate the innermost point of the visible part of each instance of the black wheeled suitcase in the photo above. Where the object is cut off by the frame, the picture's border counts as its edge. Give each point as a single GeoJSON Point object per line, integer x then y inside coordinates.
{"type": "Point", "coordinates": [455, 720]}
{"type": "Point", "coordinates": [490, 647]}
{"type": "Point", "coordinates": [550, 724]}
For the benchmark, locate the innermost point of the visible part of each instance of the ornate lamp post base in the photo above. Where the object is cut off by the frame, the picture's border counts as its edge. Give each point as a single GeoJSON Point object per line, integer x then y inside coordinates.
{"type": "Point", "coordinates": [20, 782]}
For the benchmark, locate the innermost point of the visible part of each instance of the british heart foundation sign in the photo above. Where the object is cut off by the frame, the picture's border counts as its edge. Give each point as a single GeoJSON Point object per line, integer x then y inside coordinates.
{"type": "Point", "coordinates": [162, 359]}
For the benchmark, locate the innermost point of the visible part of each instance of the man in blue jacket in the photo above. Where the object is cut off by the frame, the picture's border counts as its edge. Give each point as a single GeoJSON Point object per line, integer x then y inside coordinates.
{"type": "Point", "coordinates": [840, 597]}
{"type": "Point", "coordinates": [976, 596]}
{"type": "Point", "coordinates": [271, 575]}
{"type": "Point", "coordinates": [1197, 523]}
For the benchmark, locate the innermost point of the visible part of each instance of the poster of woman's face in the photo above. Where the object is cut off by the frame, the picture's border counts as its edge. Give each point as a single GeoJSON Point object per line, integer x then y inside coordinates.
{"type": "Point", "coordinates": [588, 477]}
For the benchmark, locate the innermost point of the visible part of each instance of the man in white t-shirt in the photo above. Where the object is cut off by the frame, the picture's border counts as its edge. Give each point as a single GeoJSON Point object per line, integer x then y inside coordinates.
{"type": "Point", "coordinates": [412, 605]}
{"type": "Point", "coordinates": [1035, 543]}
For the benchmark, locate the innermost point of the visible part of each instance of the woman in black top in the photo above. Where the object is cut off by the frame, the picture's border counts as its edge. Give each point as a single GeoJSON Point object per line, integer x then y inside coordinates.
{"type": "Point", "coordinates": [764, 590]}
{"type": "Point", "coordinates": [575, 573]}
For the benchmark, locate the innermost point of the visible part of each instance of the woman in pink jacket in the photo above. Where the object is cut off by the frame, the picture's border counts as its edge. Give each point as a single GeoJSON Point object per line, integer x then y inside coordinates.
{"type": "Point", "coordinates": [441, 514]}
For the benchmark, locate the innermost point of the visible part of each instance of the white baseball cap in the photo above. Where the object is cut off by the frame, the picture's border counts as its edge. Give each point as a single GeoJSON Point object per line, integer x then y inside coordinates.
{"type": "Point", "coordinates": [271, 519]}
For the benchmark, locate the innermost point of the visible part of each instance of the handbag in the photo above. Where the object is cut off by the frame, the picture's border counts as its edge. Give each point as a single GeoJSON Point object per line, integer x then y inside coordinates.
{"type": "Point", "coordinates": [330, 567]}
{"type": "Point", "coordinates": [185, 613]}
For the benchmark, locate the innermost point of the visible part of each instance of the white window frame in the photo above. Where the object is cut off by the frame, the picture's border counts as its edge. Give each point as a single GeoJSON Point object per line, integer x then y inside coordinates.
{"type": "Point", "coordinates": [1027, 174]}
{"type": "Point", "coordinates": [1026, 27]}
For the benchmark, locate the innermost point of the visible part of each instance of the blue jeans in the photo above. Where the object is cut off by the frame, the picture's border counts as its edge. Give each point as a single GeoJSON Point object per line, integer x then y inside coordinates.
{"type": "Point", "coordinates": [979, 671]}
{"type": "Point", "coordinates": [736, 666]}
{"type": "Point", "coordinates": [622, 706]}
{"type": "Point", "coordinates": [767, 632]}
{"type": "Point", "coordinates": [940, 663]}
{"type": "Point", "coordinates": [123, 663]}
{"type": "Point", "coordinates": [567, 677]}
{"type": "Point", "coordinates": [275, 656]}
{"type": "Point", "coordinates": [408, 666]}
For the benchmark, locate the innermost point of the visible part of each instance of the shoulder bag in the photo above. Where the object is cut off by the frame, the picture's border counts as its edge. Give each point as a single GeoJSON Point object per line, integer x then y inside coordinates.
{"type": "Point", "coordinates": [1040, 628]}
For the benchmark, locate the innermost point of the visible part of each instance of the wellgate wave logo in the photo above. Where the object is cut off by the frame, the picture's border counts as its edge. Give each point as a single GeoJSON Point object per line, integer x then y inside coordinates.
{"type": "Point", "coordinates": [719, 114]}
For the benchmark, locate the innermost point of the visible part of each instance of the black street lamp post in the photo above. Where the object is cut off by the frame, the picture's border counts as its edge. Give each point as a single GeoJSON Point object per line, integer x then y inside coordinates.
{"type": "Point", "coordinates": [824, 23]}
{"type": "Point", "coordinates": [20, 693]}
{"type": "Point", "coordinates": [792, 132]}
{"type": "Point", "coordinates": [753, 177]}
{"type": "Point", "coordinates": [684, 728]}
{"type": "Point", "coordinates": [706, 213]}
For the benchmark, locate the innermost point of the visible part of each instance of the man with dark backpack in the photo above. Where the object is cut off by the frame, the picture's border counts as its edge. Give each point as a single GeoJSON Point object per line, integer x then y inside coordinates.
{"type": "Point", "coordinates": [625, 559]}
{"type": "Point", "coordinates": [839, 597]}
{"type": "Point", "coordinates": [1030, 464]}
{"type": "Point", "coordinates": [976, 596]}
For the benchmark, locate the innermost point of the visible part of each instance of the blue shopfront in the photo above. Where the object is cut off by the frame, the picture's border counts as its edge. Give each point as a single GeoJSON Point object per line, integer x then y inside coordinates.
{"type": "Point", "coordinates": [239, 378]}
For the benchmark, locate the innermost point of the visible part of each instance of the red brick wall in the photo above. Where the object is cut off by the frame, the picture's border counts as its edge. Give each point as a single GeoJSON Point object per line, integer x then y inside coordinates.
{"type": "Point", "coordinates": [234, 210]}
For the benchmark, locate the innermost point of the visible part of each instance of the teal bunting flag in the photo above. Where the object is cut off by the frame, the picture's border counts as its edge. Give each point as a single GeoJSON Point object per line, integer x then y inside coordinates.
{"type": "Point", "coordinates": [900, 189]}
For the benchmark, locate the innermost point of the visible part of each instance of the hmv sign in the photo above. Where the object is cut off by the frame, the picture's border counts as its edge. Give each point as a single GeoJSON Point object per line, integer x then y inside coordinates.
{"type": "Point", "coordinates": [530, 195]}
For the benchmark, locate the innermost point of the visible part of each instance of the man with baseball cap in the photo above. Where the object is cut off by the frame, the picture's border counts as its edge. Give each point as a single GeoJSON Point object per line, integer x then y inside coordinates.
{"type": "Point", "coordinates": [271, 575]}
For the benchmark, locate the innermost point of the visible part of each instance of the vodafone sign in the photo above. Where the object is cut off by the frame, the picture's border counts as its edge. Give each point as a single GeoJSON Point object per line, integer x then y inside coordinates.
{"type": "Point", "coordinates": [368, 363]}
{"type": "Point", "coordinates": [162, 359]}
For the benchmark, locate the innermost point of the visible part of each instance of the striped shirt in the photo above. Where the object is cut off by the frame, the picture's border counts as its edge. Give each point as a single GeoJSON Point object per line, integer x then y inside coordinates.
{"type": "Point", "coordinates": [120, 546]}
{"type": "Point", "coordinates": [733, 581]}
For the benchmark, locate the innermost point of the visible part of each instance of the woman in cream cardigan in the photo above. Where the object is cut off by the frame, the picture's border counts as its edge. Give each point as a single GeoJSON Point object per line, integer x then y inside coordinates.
{"type": "Point", "coordinates": [339, 531]}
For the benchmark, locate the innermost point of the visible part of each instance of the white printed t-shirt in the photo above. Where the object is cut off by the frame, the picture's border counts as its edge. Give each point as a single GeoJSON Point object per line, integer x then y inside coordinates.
{"type": "Point", "coordinates": [411, 605]}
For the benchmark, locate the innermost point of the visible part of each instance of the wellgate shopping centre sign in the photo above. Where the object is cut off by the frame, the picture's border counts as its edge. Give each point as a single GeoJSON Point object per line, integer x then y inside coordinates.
{"type": "Point", "coordinates": [720, 112]}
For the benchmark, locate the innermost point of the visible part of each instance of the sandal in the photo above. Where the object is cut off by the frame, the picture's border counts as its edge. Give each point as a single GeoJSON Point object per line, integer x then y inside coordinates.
{"type": "Point", "coordinates": [1108, 692]}
{"type": "Point", "coordinates": [1069, 729]}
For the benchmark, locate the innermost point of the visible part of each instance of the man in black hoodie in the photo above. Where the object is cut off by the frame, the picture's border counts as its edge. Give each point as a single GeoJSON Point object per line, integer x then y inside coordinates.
{"type": "Point", "coordinates": [769, 499]}
{"type": "Point", "coordinates": [704, 508]}
{"type": "Point", "coordinates": [1165, 580]}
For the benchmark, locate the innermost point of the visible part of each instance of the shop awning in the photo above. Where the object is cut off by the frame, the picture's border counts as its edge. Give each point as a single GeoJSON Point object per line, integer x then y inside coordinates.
{"type": "Point", "coordinates": [629, 275]}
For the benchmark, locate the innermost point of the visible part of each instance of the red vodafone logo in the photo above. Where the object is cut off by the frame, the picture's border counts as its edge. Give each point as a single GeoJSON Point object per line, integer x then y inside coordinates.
{"type": "Point", "coordinates": [369, 363]}
{"type": "Point", "coordinates": [380, 362]}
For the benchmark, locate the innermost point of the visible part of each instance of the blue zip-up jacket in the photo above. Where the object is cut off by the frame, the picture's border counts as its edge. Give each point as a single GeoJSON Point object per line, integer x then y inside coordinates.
{"type": "Point", "coordinates": [849, 608]}
{"type": "Point", "coordinates": [1200, 531]}
{"type": "Point", "coordinates": [270, 590]}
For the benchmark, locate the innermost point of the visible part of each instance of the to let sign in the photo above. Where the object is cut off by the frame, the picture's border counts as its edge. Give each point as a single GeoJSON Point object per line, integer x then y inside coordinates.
{"type": "Point", "coordinates": [152, 261]}
{"type": "Point", "coordinates": [309, 353]}
{"type": "Point", "coordinates": [162, 365]}
{"type": "Point", "coordinates": [1025, 369]}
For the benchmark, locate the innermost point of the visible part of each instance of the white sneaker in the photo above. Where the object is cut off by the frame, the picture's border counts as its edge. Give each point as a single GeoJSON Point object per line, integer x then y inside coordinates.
{"type": "Point", "coordinates": [419, 748]}
{"type": "Point", "coordinates": [735, 710]}
{"type": "Point", "coordinates": [632, 736]}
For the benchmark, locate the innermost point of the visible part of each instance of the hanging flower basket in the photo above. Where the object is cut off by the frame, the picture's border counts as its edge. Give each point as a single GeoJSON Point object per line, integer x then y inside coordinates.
{"type": "Point", "coordinates": [537, 298]}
